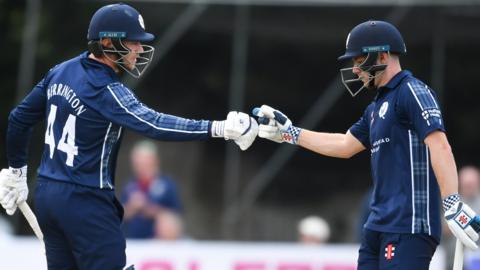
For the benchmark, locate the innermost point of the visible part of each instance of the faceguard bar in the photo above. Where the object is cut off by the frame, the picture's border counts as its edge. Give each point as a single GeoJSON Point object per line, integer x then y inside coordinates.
{"type": "Point", "coordinates": [353, 83]}
{"type": "Point", "coordinates": [143, 59]}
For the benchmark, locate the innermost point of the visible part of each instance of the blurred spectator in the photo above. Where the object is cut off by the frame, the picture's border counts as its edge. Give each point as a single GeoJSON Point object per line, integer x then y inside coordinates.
{"type": "Point", "coordinates": [469, 189]}
{"type": "Point", "coordinates": [148, 193]}
{"type": "Point", "coordinates": [469, 186]}
{"type": "Point", "coordinates": [313, 230]}
{"type": "Point", "coordinates": [168, 226]}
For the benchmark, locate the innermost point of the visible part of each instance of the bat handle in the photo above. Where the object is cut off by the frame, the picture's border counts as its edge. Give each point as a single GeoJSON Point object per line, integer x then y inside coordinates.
{"type": "Point", "coordinates": [458, 261]}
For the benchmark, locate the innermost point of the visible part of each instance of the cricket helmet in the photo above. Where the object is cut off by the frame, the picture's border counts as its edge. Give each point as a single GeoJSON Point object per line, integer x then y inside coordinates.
{"type": "Point", "coordinates": [120, 22]}
{"type": "Point", "coordinates": [369, 39]}
{"type": "Point", "coordinates": [373, 36]}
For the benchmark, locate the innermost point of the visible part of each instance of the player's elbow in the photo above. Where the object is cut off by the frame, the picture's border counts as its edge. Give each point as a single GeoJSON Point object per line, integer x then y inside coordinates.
{"type": "Point", "coordinates": [16, 122]}
{"type": "Point", "coordinates": [12, 119]}
{"type": "Point", "coordinates": [346, 154]}
{"type": "Point", "coordinates": [438, 142]}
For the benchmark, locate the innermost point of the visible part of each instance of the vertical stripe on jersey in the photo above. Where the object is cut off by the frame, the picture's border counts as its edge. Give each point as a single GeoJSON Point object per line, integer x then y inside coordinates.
{"type": "Point", "coordinates": [413, 180]}
{"type": "Point", "coordinates": [419, 165]}
{"type": "Point", "coordinates": [102, 164]}
{"type": "Point", "coordinates": [428, 188]}
{"type": "Point", "coordinates": [423, 95]}
{"type": "Point", "coordinates": [111, 137]}
{"type": "Point", "coordinates": [424, 98]}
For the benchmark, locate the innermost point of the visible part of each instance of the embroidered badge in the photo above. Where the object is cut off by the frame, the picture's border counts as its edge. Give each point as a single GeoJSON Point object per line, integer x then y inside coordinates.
{"type": "Point", "coordinates": [383, 110]}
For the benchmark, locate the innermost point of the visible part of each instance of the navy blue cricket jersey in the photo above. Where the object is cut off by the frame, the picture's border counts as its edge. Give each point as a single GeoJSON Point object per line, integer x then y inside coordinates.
{"type": "Point", "coordinates": [406, 197]}
{"type": "Point", "coordinates": [86, 108]}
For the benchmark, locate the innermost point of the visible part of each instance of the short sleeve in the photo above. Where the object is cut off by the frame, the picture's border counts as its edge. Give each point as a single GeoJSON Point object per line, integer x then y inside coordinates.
{"type": "Point", "coordinates": [361, 129]}
{"type": "Point", "coordinates": [418, 104]}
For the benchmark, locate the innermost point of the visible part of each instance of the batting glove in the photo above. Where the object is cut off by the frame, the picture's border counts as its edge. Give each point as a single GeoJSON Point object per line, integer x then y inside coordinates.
{"type": "Point", "coordinates": [239, 127]}
{"type": "Point", "coordinates": [275, 126]}
{"type": "Point", "coordinates": [13, 188]}
{"type": "Point", "coordinates": [462, 221]}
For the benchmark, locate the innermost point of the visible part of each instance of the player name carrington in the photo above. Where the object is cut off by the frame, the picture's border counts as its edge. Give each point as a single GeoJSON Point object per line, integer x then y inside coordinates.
{"type": "Point", "coordinates": [69, 94]}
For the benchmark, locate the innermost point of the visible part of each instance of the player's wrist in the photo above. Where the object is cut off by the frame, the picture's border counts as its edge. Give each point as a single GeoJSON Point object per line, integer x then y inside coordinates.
{"type": "Point", "coordinates": [217, 129]}
{"type": "Point", "coordinates": [450, 200]}
{"type": "Point", "coordinates": [20, 173]}
{"type": "Point", "coordinates": [291, 134]}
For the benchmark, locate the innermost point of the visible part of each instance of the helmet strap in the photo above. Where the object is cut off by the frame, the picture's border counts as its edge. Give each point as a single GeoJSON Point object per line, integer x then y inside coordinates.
{"type": "Point", "coordinates": [372, 68]}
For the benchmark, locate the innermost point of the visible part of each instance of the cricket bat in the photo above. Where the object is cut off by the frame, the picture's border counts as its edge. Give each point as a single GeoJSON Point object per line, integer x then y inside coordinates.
{"type": "Point", "coordinates": [458, 259]}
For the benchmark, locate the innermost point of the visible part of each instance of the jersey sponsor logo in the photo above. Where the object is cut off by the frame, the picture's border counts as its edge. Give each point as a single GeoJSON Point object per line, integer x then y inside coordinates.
{"type": "Point", "coordinates": [389, 252]}
{"type": "Point", "coordinates": [376, 144]}
{"type": "Point", "coordinates": [426, 114]}
{"type": "Point", "coordinates": [383, 110]}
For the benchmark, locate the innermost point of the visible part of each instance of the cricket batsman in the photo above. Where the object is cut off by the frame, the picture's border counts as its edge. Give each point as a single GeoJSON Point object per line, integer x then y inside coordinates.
{"type": "Point", "coordinates": [86, 110]}
{"type": "Point", "coordinates": [412, 163]}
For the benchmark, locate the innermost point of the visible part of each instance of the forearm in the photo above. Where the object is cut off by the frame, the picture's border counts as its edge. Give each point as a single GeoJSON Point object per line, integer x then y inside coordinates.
{"type": "Point", "coordinates": [327, 144]}
{"type": "Point", "coordinates": [445, 169]}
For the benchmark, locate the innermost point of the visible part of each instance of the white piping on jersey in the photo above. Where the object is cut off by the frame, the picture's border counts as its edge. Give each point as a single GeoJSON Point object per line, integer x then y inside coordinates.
{"type": "Point", "coordinates": [428, 190]}
{"type": "Point", "coordinates": [434, 102]}
{"type": "Point", "coordinates": [103, 152]}
{"type": "Point", "coordinates": [413, 179]}
{"type": "Point", "coordinates": [433, 99]}
{"type": "Point", "coordinates": [148, 123]}
{"type": "Point", "coordinates": [415, 95]}
{"type": "Point", "coordinates": [416, 98]}
{"type": "Point", "coordinates": [119, 133]}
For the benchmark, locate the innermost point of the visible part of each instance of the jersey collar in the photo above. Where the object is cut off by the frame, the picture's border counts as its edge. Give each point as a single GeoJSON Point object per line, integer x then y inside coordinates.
{"type": "Point", "coordinates": [393, 83]}
{"type": "Point", "coordinates": [397, 79]}
{"type": "Point", "coordinates": [99, 74]}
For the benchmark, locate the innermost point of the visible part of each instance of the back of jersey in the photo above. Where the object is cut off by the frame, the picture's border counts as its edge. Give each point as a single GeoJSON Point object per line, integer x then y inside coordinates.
{"type": "Point", "coordinates": [80, 144]}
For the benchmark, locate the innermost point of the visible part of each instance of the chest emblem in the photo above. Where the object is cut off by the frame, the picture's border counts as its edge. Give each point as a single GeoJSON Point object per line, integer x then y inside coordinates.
{"type": "Point", "coordinates": [383, 110]}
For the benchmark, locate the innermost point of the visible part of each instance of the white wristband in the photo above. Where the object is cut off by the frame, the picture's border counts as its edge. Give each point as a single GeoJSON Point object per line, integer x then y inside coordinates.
{"type": "Point", "coordinates": [217, 129]}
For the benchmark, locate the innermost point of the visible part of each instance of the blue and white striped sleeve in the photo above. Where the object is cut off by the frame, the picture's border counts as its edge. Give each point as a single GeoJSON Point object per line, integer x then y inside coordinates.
{"type": "Point", "coordinates": [419, 104]}
{"type": "Point", "coordinates": [121, 106]}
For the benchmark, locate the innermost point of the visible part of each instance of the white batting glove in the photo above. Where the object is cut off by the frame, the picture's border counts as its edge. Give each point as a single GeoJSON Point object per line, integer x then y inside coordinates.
{"type": "Point", "coordinates": [239, 127]}
{"type": "Point", "coordinates": [275, 126]}
{"type": "Point", "coordinates": [13, 188]}
{"type": "Point", "coordinates": [462, 221]}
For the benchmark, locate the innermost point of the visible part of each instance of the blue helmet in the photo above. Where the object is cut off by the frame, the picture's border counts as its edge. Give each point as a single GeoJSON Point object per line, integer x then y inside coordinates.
{"type": "Point", "coordinates": [373, 36]}
{"type": "Point", "coordinates": [369, 39]}
{"type": "Point", "coordinates": [118, 21]}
